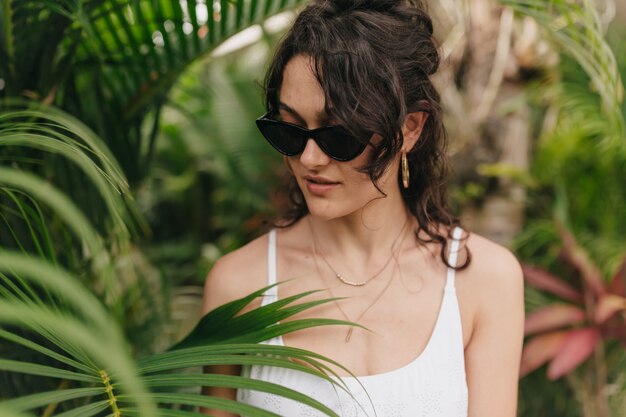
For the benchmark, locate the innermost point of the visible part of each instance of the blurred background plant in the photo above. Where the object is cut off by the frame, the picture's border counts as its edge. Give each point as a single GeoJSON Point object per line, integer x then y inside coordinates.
{"type": "Point", "coordinates": [574, 219]}
{"type": "Point", "coordinates": [534, 109]}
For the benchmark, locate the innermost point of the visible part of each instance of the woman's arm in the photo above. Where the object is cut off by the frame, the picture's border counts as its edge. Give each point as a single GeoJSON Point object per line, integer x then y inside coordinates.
{"type": "Point", "coordinates": [227, 393]}
{"type": "Point", "coordinates": [223, 285]}
{"type": "Point", "coordinates": [492, 357]}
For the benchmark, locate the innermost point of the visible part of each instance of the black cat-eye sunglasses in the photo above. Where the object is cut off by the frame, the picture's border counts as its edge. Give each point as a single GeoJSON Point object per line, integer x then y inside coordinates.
{"type": "Point", "coordinates": [290, 139]}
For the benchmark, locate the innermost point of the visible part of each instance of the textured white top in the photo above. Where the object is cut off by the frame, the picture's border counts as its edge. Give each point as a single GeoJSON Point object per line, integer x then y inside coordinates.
{"type": "Point", "coordinates": [432, 385]}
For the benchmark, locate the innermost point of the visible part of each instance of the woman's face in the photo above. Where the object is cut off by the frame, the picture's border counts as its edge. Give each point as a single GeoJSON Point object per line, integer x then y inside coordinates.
{"type": "Point", "coordinates": [332, 189]}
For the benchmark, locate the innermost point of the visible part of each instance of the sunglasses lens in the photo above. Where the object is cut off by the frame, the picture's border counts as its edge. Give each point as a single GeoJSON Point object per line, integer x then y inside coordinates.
{"type": "Point", "coordinates": [291, 140]}
{"type": "Point", "coordinates": [339, 144]}
{"type": "Point", "coordinates": [286, 139]}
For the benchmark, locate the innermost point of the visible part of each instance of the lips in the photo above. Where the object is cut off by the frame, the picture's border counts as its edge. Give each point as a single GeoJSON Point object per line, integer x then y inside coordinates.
{"type": "Point", "coordinates": [320, 180]}
{"type": "Point", "coordinates": [319, 186]}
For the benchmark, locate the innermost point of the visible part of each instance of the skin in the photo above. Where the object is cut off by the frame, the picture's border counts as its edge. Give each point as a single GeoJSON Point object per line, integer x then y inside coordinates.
{"type": "Point", "coordinates": [355, 229]}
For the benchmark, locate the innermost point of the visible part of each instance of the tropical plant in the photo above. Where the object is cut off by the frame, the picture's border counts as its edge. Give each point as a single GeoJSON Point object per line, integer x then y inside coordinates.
{"type": "Point", "coordinates": [46, 234]}
{"type": "Point", "coordinates": [96, 363]}
{"type": "Point", "coordinates": [213, 177]}
{"type": "Point", "coordinates": [111, 63]}
{"type": "Point", "coordinates": [580, 329]}
{"type": "Point", "coordinates": [575, 215]}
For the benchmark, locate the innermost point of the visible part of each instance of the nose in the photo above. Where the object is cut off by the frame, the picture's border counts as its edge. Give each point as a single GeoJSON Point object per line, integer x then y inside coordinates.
{"type": "Point", "coordinates": [312, 156]}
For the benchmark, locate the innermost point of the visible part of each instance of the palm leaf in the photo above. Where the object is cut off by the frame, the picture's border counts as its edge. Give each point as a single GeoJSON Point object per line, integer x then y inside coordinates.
{"type": "Point", "coordinates": [576, 28]}
{"type": "Point", "coordinates": [8, 412]}
{"type": "Point", "coordinates": [97, 345]}
{"type": "Point", "coordinates": [59, 141]}
{"type": "Point", "coordinates": [93, 340]}
{"type": "Point", "coordinates": [141, 48]}
{"type": "Point", "coordinates": [210, 329]}
{"type": "Point", "coordinates": [112, 62]}
{"type": "Point", "coordinates": [53, 132]}
{"type": "Point", "coordinates": [88, 410]}
{"type": "Point", "coordinates": [234, 382]}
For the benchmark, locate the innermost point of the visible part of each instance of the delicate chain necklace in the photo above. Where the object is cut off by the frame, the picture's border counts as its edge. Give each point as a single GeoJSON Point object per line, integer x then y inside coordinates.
{"type": "Point", "coordinates": [358, 283]}
{"type": "Point", "coordinates": [350, 330]}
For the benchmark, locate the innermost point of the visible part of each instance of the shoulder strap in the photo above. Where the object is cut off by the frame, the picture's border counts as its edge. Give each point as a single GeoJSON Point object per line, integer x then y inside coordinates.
{"type": "Point", "coordinates": [452, 257]}
{"type": "Point", "coordinates": [271, 295]}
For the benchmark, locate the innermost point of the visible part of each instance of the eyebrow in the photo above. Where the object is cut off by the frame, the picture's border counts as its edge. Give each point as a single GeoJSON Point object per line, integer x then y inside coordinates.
{"type": "Point", "coordinates": [322, 116]}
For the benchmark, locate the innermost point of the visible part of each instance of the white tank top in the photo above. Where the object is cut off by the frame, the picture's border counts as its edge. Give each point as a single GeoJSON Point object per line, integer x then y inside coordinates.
{"type": "Point", "coordinates": [431, 385]}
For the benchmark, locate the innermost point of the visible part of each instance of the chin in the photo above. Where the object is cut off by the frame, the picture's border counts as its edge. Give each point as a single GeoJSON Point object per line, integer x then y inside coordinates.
{"type": "Point", "coordinates": [322, 211]}
{"type": "Point", "coordinates": [322, 214]}
{"type": "Point", "coordinates": [325, 210]}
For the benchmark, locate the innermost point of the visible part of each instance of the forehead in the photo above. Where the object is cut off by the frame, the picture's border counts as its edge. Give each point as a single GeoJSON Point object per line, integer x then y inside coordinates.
{"type": "Point", "coordinates": [301, 90]}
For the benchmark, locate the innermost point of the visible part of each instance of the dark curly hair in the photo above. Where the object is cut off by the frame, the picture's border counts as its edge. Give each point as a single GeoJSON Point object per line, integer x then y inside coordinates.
{"type": "Point", "coordinates": [373, 59]}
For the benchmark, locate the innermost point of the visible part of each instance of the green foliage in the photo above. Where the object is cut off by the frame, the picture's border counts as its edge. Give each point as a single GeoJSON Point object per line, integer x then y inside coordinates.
{"type": "Point", "coordinates": [213, 175]}
{"type": "Point", "coordinates": [577, 30]}
{"type": "Point", "coordinates": [580, 179]}
{"type": "Point", "coordinates": [112, 62]}
{"type": "Point", "coordinates": [37, 212]}
{"type": "Point", "coordinates": [89, 343]}
{"type": "Point", "coordinates": [577, 179]}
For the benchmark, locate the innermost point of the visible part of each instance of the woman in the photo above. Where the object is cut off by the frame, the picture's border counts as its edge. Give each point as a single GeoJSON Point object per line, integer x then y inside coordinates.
{"type": "Point", "coordinates": [351, 106]}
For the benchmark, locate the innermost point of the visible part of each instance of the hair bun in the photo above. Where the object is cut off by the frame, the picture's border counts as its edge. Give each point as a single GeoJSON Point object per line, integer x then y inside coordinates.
{"type": "Point", "coordinates": [367, 5]}
{"type": "Point", "coordinates": [410, 10]}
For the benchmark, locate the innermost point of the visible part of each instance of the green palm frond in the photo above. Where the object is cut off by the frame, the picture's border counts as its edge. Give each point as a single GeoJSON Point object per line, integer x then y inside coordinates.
{"type": "Point", "coordinates": [152, 42]}
{"type": "Point", "coordinates": [83, 333]}
{"type": "Point", "coordinates": [135, 51]}
{"type": "Point", "coordinates": [576, 27]}
{"type": "Point", "coordinates": [31, 61]}
{"type": "Point", "coordinates": [112, 62]}
{"type": "Point", "coordinates": [8, 412]}
{"type": "Point", "coordinates": [89, 343]}
{"type": "Point", "coordinates": [223, 338]}
{"type": "Point", "coordinates": [35, 201]}
{"type": "Point", "coordinates": [31, 126]}
{"type": "Point", "coordinates": [91, 353]}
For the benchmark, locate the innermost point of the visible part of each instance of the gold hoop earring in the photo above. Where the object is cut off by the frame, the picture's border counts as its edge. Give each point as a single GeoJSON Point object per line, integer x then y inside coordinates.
{"type": "Point", "coordinates": [405, 171]}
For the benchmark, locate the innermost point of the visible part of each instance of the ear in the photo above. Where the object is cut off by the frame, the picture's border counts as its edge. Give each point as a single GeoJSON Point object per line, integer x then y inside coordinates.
{"type": "Point", "coordinates": [412, 129]}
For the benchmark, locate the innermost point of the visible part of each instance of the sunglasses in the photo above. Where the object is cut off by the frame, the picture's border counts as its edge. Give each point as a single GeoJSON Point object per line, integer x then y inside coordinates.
{"type": "Point", "coordinates": [290, 139]}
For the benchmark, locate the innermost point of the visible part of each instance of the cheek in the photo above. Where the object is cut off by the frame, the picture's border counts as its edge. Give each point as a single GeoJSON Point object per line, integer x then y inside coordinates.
{"type": "Point", "coordinates": [359, 182]}
{"type": "Point", "coordinates": [362, 179]}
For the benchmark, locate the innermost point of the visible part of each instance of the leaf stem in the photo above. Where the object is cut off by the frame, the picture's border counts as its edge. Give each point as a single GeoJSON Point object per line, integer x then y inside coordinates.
{"type": "Point", "coordinates": [109, 390]}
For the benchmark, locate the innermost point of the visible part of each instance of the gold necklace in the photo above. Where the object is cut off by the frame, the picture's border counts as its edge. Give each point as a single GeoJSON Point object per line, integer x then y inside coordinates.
{"type": "Point", "coordinates": [357, 283]}
{"type": "Point", "coordinates": [349, 333]}
{"type": "Point", "coordinates": [350, 330]}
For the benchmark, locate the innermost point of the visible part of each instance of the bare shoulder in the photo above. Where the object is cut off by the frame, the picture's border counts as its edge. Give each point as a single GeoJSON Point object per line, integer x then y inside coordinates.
{"type": "Point", "coordinates": [236, 274]}
{"type": "Point", "coordinates": [492, 262]}
{"type": "Point", "coordinates": [493, 280]}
